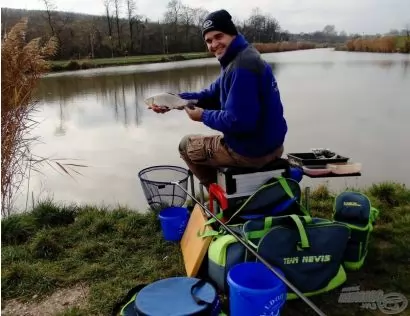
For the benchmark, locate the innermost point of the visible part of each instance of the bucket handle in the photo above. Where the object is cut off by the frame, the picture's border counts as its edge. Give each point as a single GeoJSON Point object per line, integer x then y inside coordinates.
{"type": "Point", "coordinates": [198, 300]}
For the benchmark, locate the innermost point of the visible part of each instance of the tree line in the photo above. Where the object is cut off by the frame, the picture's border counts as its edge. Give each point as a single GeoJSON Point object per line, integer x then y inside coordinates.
{"type": "Point", "coordinates": [123, 31]}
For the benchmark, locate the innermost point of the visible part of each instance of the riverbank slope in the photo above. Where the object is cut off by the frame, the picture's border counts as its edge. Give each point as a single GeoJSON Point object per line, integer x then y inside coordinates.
{"type": "Point", "coordinates": [74, 260]}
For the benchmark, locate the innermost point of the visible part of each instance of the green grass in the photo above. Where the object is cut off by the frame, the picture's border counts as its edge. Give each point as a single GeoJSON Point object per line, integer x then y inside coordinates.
{"type": "Point", "coordinates": [62, 65]}
{"type": "Point", "coordinates": [55, 247]}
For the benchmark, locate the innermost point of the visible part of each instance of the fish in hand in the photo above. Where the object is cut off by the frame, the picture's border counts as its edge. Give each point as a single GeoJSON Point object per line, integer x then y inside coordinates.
{"type": "Point", "coordinates": [168, 101]}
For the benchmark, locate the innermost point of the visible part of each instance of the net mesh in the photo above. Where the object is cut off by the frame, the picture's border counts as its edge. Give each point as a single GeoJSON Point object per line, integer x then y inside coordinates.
{"type": "Point", "coordinates": [158, 188]}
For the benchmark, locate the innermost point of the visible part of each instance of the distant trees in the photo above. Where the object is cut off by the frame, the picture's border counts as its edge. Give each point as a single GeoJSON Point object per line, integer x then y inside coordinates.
{"type": "Point", "coordinates": [328, 35]}
{"type": "Point", "coordinates": [121, 30]}
{"type": "Point", "coordinates": [261, 28]}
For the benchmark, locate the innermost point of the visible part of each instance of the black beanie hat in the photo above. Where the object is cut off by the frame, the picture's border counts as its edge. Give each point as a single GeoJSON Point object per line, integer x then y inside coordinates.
{"type": "Point", "coordinates": [219, 20]}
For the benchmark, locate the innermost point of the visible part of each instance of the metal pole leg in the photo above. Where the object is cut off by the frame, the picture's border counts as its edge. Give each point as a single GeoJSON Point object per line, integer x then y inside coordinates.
{"type": "Point", "coordinates": [307, 198]}
{"type": "Point", "coordinates": [191, 179]}
{"type": "Point", "coordinates": [201, 193]}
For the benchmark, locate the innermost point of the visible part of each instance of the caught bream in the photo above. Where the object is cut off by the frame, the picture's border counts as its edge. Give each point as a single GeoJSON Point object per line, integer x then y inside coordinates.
{"type": "Point", "coordinates": [168, 100]}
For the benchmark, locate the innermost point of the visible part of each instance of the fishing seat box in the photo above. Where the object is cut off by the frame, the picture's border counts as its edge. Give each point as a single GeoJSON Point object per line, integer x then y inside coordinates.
{"type": "Point", "coordinates": [240, 183]}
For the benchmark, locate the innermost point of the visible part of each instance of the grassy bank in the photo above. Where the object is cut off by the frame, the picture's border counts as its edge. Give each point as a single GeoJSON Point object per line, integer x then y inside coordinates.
{"type": "Point", "coordinates": [385, 44]}
{"type": "Point", "coordinates": [103, 254]}
{"type": "Point", "coordinates": [68, 65]}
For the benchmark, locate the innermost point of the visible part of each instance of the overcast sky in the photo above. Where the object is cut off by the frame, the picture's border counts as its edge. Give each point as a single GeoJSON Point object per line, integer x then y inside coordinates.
{"type": "Point", "coordinates": [352, 16]}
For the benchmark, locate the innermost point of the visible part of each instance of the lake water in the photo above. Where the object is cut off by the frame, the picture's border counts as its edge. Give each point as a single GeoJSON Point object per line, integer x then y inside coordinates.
{"type": "Point", "coordinates": [357, 104]}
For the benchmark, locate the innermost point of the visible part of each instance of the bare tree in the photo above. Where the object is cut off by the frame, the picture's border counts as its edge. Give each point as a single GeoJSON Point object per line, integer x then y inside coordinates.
{"type": "Point", "coordinates": [132, 18]}
{"type": "Point", "coordinates": [329, 30]}
{"type": "Point", "coordinates": [4, 19]}
{"type": "Point", "coordinates": [56, 22]}
{"type": "Point", "coordinates": [92, 30]}
{"type": "Point", "coordinates": [187, 19]}
{"type": "Point", "coordinates": [172, 16]}
{"type": "Point", "coordinates": [107, 6]}
{"type": "Point", "coordinates": [198, 16]}
{"type": "Point", "coordinates": [117, 8]}
{"type": "Point", "coordinates": [50, 6]}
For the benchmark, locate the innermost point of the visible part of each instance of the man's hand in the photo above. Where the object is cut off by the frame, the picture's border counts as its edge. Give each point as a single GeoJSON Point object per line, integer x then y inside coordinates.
{"type": "Point", "coordinates": [194, 113]}
{"type": "Point", "coordinates": [159, 109]}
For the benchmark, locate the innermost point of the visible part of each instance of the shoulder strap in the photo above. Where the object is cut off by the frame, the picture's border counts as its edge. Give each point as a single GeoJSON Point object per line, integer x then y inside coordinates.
{"type": "Point", "coordinates": [283, 182]}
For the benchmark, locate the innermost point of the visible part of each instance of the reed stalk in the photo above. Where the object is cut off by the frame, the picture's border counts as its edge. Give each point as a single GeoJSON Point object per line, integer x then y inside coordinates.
{"type": "Point", "coordinates": [22, 65]}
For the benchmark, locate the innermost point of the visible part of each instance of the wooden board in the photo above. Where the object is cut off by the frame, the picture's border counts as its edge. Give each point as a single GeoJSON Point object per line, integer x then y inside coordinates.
{"type": "Point", "coordinates": [194, 248]}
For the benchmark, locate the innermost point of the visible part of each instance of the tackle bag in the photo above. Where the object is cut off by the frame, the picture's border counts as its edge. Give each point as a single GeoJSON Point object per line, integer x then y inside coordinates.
{"type": "Point", "coordinates": [279, 196]}
{"type": "Point", "coordinates": [354, 209]}
{"type": "Point", "coordinates": [308, 250]}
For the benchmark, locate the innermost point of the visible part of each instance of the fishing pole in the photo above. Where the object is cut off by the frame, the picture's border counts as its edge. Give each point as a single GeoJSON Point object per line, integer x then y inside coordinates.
{"type": "Point", "coordinates": [283, 279]}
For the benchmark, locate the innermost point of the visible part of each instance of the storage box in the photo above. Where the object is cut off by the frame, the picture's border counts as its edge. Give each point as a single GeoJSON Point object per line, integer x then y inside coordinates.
{"type": "Point", "coordinates": [309, 159]}
{"type": "Point", "coordinates": [240, 183]}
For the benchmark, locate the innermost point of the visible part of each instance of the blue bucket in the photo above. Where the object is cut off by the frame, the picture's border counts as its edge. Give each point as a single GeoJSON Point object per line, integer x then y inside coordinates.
{"type": "Point", "coordinates": [255, 290]}
{"type": "Point", "coordinates": [173, 222]}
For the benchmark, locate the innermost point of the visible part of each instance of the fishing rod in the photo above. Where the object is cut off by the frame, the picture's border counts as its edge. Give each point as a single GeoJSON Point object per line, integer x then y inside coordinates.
{"type": "Point", "coordinates": [284, 280]}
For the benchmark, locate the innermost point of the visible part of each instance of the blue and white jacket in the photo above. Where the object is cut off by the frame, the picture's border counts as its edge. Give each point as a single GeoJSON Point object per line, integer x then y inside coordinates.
{"type": "Point", "coordinates": [244, 102]}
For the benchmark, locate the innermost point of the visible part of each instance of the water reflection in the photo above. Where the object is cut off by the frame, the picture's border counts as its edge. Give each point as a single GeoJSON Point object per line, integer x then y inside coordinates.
{"type": "Point", "coordinates": [355, 103]}
{"type": "Point", "coordinates": [124, 94]}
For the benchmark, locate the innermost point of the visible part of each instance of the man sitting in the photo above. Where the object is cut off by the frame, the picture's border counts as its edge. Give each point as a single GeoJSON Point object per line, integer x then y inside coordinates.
{"type": "Point", "coordinates": [243, 104]}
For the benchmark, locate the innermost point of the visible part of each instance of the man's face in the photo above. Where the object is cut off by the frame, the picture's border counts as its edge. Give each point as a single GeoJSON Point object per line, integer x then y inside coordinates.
{"type": "Point", "coordinates": [217, 42]}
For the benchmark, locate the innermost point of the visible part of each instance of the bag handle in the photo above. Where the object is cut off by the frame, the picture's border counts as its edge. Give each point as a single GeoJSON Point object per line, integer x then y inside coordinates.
{"type": "Point", "coordinates": [374, 214]}
{"type": "Point", "coordinates": [304, 241]}
{"type": "Point", "coordinates": [269, 222]}
{"type": "Point", "coordinates": [289, 192]}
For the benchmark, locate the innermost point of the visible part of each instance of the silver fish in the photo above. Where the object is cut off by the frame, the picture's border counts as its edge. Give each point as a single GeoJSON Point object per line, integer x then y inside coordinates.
{"type": "Point", "coordinates": [168, 100]}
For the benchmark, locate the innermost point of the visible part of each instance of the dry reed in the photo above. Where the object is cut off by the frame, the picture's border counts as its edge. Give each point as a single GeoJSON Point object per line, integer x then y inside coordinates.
{"type": "Point", "coordinates": [22, 65]}
{"type": "Point", "coordinates": [385, 44]}
{"type": "Point", "coordinates": [282, 46]}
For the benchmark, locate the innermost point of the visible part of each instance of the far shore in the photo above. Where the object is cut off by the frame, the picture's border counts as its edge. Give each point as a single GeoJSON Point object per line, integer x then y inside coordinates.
{"type": "Point", "coordinates": [88, 63]}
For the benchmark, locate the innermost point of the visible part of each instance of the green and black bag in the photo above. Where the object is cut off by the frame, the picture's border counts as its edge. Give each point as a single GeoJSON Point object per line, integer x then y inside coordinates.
{"type": "Point", "coordinates": [308, 250]}
{"type": "Point", "coordinates": [278, 197]}
{"type": "Point", "coordinates": [354, 209]}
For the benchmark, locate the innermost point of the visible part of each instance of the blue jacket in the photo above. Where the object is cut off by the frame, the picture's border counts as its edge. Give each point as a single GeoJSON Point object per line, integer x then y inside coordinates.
{"type": "Point", "coordinates": [244, 102]}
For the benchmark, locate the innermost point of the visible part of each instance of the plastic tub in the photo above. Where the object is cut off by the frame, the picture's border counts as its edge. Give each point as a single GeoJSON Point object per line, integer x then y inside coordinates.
{"type": "Point", "coordinates": [316, 170]}
{"type": "Point", "coordinates": [345, 168]}
{"type": "Point", "coordinates": [255, 290]}
{"type": "Point", "coordinates": [177, 296]}
{"type": "Point", "coordinates": [173, 222]}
